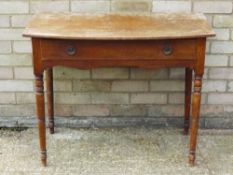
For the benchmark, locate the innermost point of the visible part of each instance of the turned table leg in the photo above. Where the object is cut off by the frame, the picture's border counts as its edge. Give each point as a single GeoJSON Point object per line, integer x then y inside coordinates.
{"type": "Point", "coordinates": [196, 101]}
{"type": "Point", "coordinates": [40, 111]}
{"type": "Point", "coordinates": [50, 103]}
{"type": "Point", "coordinates": [188, 92]}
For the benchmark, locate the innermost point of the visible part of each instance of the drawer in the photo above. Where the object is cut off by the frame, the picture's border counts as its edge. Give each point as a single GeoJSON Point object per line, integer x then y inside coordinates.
{"type": "Point", "coordinates": [182, 49]}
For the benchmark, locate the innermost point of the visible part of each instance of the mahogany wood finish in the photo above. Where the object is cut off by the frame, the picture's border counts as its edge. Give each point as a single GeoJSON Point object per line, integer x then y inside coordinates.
{"type": "Point", "coordinates": [118, 26]}
{"type": "Point", "coordinates": [188, 92]}
{"type": "Point", "coordinates": [40, 102]}
{"type": "Point", "coordinates": [118, 50]}
{"type": "Point", "coordinates": [196, 100]}
{"type": "Point", "coordinates": [40, 111]}
{"type": "Point", "coordinates": [164, 40]}
{"type": "Point", "coordinates": [50, 105]}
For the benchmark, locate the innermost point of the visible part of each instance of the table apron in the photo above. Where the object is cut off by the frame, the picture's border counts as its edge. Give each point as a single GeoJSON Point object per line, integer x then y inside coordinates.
{"type": "Point", "coordinates": [90, 64]}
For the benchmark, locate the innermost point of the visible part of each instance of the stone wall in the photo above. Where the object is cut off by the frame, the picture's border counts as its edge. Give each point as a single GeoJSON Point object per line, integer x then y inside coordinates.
{"type": "Point", "coordinates": [115, 91]}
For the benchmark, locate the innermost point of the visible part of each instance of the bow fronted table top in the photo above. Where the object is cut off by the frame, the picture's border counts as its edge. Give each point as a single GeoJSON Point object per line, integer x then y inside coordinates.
{"type": "Point", "coordinates": [118, 26]}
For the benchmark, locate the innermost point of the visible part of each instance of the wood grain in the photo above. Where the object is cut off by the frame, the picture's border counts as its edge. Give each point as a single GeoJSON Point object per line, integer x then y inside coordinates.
{"type": "Point", "coordinates": [50, 103]}
{"type": "Point", "coordinates": [92, 41]}
{"type": "Point", "coordinates": [183, 49]}
{"type": "Point", "coordinates": [40, 111]}
{"type": "Point", "coordinates": [188, 92]}
{"type": "Point", "coordinates": [196, 99]}
{"type": "Point", "coordinates": [118, 26]}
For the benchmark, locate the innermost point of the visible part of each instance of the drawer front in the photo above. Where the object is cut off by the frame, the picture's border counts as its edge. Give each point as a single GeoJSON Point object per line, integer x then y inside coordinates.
{"type": "Point", "coordinates": [182, 49]}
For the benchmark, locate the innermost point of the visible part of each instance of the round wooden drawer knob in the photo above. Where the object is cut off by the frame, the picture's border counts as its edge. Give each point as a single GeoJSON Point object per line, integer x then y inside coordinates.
{"type": "Point", "coordinates": [167, 49]}
{"type": "Point", "coordinates": [71, 50]}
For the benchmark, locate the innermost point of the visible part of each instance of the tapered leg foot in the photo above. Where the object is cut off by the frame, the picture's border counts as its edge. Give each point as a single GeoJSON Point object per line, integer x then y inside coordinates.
{"type": "Point", "coordinates": [44, 158]}
{"type": "Point", "coordinates": [191, 159]}
{"type": "Point", "coordinates": [50, 103]}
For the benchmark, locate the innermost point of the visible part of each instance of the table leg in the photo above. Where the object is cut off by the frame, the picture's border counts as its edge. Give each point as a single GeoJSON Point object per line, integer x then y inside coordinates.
{"type": "Point", "coordinates": [196, 101]}
{"type": "Point", "coordinates": [50, 103]}
{"type": "Point", "coordinates": [188, 93]}
{"type": "Point", "coordinates": [40, 111]}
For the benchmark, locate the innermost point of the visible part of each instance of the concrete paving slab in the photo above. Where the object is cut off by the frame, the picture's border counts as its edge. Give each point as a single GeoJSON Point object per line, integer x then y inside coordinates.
{"type": "Point", "coordinates": [128, 151]}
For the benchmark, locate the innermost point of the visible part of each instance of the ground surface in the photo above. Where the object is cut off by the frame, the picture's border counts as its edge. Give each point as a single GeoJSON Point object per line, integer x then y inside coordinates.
{"type": "Point", "coordinates": [134, 151]}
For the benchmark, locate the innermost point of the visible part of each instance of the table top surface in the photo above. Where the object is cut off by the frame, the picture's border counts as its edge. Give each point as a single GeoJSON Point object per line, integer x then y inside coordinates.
{"type": "Point", "coordinates": [118, 26]}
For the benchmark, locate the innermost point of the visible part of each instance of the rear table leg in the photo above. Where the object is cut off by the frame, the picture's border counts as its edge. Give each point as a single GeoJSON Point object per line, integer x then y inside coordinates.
{"type": "Point", "coordinates": [188, 93]}
{"type": "Point", "coordinates": [50, 103]}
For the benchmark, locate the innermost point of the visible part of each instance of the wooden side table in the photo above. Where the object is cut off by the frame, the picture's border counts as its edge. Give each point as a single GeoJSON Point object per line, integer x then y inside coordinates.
{"type": "Point", "coordinates": [110, 40]}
